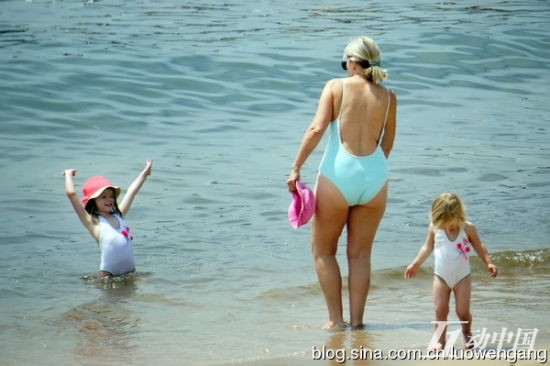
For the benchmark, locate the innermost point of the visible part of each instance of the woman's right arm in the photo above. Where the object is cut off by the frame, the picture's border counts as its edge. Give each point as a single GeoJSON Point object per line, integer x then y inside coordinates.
{"type": "Point", "coordinates": [84, 216]}
{"type": "Point", "coordinates": [314, 133]}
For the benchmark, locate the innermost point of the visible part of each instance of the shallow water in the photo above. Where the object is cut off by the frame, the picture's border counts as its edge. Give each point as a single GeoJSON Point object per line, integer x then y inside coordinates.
{"type": "Point", "coordinates": [218, 95]}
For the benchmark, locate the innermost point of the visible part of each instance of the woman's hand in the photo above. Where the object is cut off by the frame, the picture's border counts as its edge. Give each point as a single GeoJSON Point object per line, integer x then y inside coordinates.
{"type": "Point", "coordinates": [293, 177]}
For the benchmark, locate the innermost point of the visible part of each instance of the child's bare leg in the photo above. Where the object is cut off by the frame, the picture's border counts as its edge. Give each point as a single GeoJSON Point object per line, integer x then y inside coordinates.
{"type": "Point", "coordinates": [463, 291]}
{"type": "Point", "coordinates": [441, 295]}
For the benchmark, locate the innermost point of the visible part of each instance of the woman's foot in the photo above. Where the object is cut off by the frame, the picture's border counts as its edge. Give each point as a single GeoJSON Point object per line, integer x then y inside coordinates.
{"type": "Point", "coordinates": [335, 326]}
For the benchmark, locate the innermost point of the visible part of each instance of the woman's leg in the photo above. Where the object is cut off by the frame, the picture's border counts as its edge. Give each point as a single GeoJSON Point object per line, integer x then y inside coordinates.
{"type": "Point", "coordinates": [330, 217]}
{"type": "Point", "coordinates": [363, 223]}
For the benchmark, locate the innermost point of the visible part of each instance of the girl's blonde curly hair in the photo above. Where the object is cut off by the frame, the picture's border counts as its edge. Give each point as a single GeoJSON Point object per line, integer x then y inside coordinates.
{"type": "Point", "coordinates": [448, 209]}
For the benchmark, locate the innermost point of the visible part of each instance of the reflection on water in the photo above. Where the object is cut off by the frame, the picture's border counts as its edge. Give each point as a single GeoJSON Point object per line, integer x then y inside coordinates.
{"type": "Point", "coordinates": [352, 348]}
{"type": "Point", "coordinates": [104, 328]}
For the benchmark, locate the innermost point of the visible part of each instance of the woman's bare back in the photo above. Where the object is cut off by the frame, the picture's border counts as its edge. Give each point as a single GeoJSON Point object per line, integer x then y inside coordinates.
{"type": "Point", "coordinates": [362, 114]}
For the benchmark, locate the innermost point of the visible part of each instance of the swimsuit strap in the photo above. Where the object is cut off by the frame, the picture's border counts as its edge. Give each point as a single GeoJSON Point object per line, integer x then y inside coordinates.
{"type": "Point", "coordinates": [385, 118]}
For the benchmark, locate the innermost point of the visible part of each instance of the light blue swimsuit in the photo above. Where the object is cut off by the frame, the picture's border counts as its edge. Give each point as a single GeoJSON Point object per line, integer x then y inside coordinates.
{"type": "Point", "coordinates": [359, 178]}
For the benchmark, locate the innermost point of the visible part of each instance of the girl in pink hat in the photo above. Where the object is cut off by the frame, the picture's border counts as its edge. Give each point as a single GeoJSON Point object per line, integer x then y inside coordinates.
{"type": "Point", "coordinates": [100, 213]}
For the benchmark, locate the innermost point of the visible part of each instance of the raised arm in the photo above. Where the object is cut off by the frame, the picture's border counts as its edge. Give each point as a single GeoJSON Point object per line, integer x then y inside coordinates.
{"type": "Point", "coordinates": [84, 217]}
{"type": "Point", "coordinates": [480, 248]}
{"type": "Point", "coordinates": [314, 133]}
{"type": "Point", "coordinates": [134, 188]}
{"type": "Point", "coordinates": [422, 255]}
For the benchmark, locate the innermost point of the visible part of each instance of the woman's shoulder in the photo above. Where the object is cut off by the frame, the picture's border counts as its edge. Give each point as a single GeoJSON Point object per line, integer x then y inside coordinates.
{"type": "Point", "coordinates": [335, 83]}
{"type": "Point", "coordinates": [388, 90]}
{"type": "Point", "coordinates": [334, 87]}
{"type": "Point", "coordinates": [384, 90]}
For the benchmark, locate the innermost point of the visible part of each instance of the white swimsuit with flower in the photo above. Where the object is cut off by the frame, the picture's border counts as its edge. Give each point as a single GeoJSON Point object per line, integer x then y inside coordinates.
{"type": "Point", "coordinates": [117, 247]}
{"type": "Point", "coordinates": [452, 257]}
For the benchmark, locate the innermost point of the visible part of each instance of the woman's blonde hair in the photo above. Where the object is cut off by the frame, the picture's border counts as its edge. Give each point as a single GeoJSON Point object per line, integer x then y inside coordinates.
{"type": "Point", "coordinates": [447, 208]}
{"type": "Point", "coordinates": [363, 49]}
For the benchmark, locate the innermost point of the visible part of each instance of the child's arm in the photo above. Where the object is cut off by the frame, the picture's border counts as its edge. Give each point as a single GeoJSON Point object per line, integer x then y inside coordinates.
{"type": "Point", "coordinates": [480, 249]}
{"type": "Point", "coordinates": [84, 217]}
{"type": "Point", "coordinates": [134, 188]}
{"type": "Point", "coordinates": [422, 255]}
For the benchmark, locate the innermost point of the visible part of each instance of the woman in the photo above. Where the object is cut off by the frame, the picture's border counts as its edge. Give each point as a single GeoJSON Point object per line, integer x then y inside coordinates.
{"type": "Point", "coordinates": [351, 188]}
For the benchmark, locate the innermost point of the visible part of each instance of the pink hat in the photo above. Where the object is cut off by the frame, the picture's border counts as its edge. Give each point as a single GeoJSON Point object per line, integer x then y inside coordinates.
{"type": "Point", "coordinates": [95, 186]}
{"type": "Point", "coordinates": [302, 207]}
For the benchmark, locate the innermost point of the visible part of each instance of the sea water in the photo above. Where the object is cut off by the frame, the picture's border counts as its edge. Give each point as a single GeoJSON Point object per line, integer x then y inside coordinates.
{"type": "Point", "coordinates": [219, 94]}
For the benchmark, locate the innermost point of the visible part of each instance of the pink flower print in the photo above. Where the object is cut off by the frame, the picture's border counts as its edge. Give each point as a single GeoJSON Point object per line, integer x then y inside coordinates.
{"type": "Point", "coordinates": [463, 248]}
{"type": "Point", "coordinates": [126, 233]}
